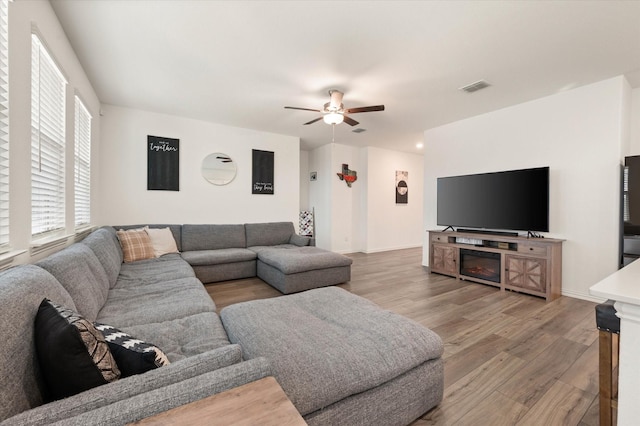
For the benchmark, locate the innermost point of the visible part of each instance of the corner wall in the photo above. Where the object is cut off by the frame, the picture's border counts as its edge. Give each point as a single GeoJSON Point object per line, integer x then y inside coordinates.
{"type": "Point", "coordinates": [123, 161]}
{"type": "Point", "coordinates": [365, 217]}
{"type": "Point", "coordinates": [579, 134]}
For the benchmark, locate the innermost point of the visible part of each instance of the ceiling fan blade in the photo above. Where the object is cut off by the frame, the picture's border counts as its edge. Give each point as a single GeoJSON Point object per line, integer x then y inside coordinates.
{"type": "Point", "coordinates": [313, 121]}
{"type": "Point", "coordinates": [364, 109]}
{"type": "Point", "coordinates": [350, 121]}
{"type": "Point", "coordinates": [303, 109]}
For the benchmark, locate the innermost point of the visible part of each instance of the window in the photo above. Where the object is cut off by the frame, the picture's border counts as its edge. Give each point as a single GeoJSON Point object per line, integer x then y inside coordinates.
{"type": "Point", "coordinates": [82, 169]}
{"type": "Point", "coordinates": [4, 126]}
{"type": "Point", "coordinates": [47, 142]}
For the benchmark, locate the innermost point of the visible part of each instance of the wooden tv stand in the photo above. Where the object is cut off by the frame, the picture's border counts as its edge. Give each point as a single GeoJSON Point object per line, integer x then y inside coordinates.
{"type": "Point", "coordinates": [526, 265]}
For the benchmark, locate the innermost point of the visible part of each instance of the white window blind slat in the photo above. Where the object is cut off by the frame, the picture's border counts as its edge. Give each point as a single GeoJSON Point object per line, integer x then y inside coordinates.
{"type": "Point", "coordinates": [82, 187]}
{"type": "Point", "coordinates": [47, 142]}
{"type": "Point", "coordinates": [4, 125]}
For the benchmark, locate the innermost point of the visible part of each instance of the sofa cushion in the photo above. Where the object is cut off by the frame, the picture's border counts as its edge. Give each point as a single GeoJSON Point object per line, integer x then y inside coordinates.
{"type": "Point", "coordinates": [212, 237]}
{"type": "Point", "coordinates": [299, 240]}
{"type": "Point", "coordinates": [268, 234]}
{"type": "Point", "coordinates": [105, 245]}
{"type": "Point", "coordinates": [327, 344]}
{"type": "Point", "coordinates": [80, 272]}
{"type": "Point", "coordinates": [162, 241]}
{"type": "Point", "coordinates": [21, 291]}
{"type": "Point", "coordinates": [132, 355]}
{"type": "Point", "coordinates": [168, 267]}
{"type": "Point", "coordinates": [136, 245]}
{"type": "Point", "coordinates": [183, 337]}
{"type": "Point", "coordinates": [72, 353]}
{"type": "Point", "coordinates": [151, 303]}
{"type": "Point", "coordinates": [216, 257]}
{"type": "Point", "coordinates": [302, 259]}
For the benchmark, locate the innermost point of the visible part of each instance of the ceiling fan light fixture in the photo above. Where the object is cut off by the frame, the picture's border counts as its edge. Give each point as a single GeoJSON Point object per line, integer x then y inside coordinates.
{"type": "Point", "coordinates": [333, 118]}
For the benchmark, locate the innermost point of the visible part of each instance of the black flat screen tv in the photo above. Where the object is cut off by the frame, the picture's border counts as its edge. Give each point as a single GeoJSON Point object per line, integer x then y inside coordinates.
{"type": "Point", "coordinates": [515, 200]}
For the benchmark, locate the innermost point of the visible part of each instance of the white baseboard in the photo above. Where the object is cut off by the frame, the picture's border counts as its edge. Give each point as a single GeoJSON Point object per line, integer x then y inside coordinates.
{"type": "Point", "coordinates": [392, 248]}
{"type": "Point", "coordinates": [580, 295]}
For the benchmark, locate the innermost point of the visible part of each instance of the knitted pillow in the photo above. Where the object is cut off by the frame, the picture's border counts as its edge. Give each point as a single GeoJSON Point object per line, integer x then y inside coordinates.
{"type": "Point", "coordinates": [136, 245]}
{"type": "Point", "coordinates": [73, 354]}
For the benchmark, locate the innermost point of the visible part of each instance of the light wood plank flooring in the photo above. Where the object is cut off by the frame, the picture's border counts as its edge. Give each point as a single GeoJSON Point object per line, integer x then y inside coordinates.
{"type": "Point", "coordinates": [510, 359]}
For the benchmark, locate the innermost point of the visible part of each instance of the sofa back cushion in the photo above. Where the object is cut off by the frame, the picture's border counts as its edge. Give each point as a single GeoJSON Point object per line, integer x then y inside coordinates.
{"type": "Point", "coordinates": [212, 237]}
{"type": "Point", "coordinates": [81, 274]}
{"type": "Point", "coordinates": [268, 234]}
{"type": "Point", "coordinates": [22, 289]}
{"type": "Point", "coordinates": [104, 244]}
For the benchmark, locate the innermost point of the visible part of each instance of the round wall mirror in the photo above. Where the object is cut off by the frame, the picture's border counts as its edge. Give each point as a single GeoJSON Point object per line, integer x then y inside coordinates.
{"type": "Point", "coordinates": [218, 168]}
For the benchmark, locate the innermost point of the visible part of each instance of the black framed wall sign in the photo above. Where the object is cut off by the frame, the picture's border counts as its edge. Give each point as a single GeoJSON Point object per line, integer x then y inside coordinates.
{"type": "Point", "coordinates": [163, 163]}
{"type": "Point", "coordinates": [262, 177]}
{"type": "Point", "coordinates": [402, 187]}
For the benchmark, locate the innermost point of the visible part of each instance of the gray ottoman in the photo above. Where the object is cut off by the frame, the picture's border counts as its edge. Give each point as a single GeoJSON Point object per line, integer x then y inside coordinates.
{"type": "Point", "coordinates": [294, 269]}
{"type": "Point", "coordinates": [340, 358]}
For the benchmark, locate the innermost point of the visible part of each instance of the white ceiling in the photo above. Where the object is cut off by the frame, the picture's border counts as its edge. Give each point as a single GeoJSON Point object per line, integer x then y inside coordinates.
{"type": "Point", "coordinates": [240, 62]}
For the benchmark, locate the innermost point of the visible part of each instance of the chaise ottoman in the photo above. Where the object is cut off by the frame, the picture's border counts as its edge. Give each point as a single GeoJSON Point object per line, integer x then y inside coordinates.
{"type": "Point", "coordinates": [292, 269]}
{"type": "Point", "coordinates": [340, 358]}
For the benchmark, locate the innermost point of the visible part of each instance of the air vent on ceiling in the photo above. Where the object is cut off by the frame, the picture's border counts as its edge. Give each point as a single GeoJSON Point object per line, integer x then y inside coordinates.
{"type": "Point", "coordinates": [474, 87]}
{"type": "Point", "coordinates": [359, 130]}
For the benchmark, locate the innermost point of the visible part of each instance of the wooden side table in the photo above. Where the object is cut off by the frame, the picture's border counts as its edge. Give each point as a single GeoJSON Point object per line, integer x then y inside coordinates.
{"type": "Point", "coordinates": [262, 402]}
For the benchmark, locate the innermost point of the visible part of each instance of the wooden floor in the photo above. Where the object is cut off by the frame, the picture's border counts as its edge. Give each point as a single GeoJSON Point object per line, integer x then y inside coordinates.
{"type": "Point", "coordinates": [510, 359]}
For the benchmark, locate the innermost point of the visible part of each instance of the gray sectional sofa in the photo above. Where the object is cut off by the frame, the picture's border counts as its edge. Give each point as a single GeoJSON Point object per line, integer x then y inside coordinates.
{"type": "Point", "coordinates": [271, 251]}
{"type": "Point", "coordinates": [339, 358]}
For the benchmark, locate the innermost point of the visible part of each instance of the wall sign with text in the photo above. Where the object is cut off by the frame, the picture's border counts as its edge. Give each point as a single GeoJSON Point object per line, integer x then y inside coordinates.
{"type": "Point", "coordinates": [262, 178]}
{"type": "Point", "coordinates": [163, 164]}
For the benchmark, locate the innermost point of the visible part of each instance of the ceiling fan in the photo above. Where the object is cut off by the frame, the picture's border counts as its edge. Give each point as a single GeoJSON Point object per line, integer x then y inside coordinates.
{"type": "Point", "coordinates": [334, 111]}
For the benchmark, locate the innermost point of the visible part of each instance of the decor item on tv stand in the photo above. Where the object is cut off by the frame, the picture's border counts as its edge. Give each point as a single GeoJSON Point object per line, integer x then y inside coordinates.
{"type": "Point", "coordinates": [531, 266]}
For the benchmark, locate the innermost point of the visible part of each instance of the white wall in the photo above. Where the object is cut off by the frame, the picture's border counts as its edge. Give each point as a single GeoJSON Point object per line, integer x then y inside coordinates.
{"type": "Point", "coordinates": [365, 218]}
{"type": "Point", "coordinates": [23, 16]}
{"type": "Point", "coordinates": [392, 226]}
{"type": "Point", "coordinates": [634, 124]}
{"type": "Point", "coordinates": [320, 194]}
{"type": "Point", "coordinates": [579, 135]}
{"type": "Point", "coordinates": [304, 180]}
{"type": "Point", "coordinates": [123, 157]}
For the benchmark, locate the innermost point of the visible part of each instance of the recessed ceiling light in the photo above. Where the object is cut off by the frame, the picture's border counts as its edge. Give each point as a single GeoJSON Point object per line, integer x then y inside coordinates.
{"type": "Point", "coordinates": [419, 145]}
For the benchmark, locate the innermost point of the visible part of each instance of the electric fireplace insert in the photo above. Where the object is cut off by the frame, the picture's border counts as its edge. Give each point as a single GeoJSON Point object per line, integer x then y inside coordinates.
{"type": "Point", "coordinates": [480, 264]}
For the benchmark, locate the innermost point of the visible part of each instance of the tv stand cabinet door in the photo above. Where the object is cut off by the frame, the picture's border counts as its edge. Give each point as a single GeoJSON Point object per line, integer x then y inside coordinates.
{"type": "Point", "coordinates": [444, 259]}
{"type": "Point", "coordinates": [526, 273]}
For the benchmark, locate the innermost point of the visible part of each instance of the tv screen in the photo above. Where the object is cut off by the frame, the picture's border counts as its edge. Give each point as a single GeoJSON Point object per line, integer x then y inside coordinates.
{"type": "Point", "coordinates": [515, 200]}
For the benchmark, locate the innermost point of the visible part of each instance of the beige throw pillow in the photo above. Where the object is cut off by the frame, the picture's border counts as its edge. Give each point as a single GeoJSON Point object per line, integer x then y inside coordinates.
{"type": "Point", "coordinates": [162, 240]}
{"type": "Point", "coordinates": [136, 245]}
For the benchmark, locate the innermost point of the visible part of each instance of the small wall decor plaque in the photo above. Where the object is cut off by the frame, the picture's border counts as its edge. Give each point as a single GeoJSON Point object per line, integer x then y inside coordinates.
{"type": "Point", "coordinates": [163, 163]}
{"type": "Point", "coordinates": [349, 176]}
{"type": "Point", "coordinates": [262, 182]}
{"type": "Point", "coordinates": [402, 188]}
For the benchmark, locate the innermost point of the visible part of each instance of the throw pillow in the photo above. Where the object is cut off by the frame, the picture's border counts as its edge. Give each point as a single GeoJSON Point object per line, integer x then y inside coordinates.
{"type": "Point", "coordinates": [72, 353]}
{"type": "Point", "coordinates": [136, 245]}
{"type": "Point", "coordinates": [162, 240]}
{"type": "Point", "coordinates": [132, 355]}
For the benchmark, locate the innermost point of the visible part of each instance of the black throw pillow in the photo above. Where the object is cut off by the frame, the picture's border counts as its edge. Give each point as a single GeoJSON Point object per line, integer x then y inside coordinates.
{"type": "Point", "coordinates": [72, 353]}
{"type": "Point", "coordinates": [132, 355]}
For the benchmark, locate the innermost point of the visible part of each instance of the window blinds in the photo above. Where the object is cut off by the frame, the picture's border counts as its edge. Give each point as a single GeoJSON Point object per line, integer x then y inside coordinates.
{"type": "Point", "coordinates": [47, 142]}
{"type": "Point", "coordinates": [4, 126]}
{"type": "Point", "coordinates": [82, 172]}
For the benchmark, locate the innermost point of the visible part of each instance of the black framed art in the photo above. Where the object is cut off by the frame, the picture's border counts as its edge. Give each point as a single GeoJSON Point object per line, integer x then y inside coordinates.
{"type": "Point", "coordinates": [163, 164]}
{"type": "Point", "coordinates": [262, 177]}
